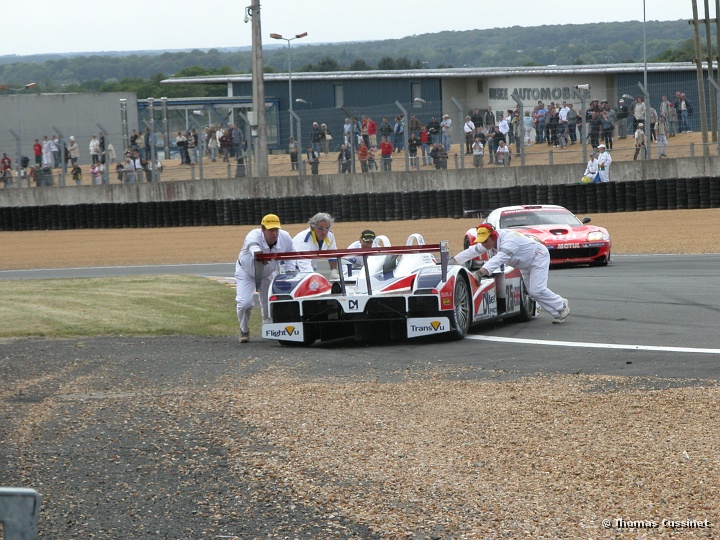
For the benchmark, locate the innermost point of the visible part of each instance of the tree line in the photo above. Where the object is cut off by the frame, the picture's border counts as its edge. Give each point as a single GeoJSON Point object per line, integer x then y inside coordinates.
{"type": "Point", "coordinates": [141, 72]}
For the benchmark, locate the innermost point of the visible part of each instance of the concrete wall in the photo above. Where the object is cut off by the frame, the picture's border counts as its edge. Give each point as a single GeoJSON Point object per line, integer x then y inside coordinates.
{"type": "Point", "coordinates": [432, 180]}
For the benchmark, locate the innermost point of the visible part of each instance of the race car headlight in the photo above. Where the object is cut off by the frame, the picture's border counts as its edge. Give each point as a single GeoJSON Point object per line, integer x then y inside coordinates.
{"type": "Point", "coordinates": [597, 235]}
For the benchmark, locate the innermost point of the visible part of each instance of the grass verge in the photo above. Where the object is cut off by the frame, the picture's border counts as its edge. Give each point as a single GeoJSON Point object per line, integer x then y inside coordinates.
{"type": "Point", "coordinates": [141, 305]}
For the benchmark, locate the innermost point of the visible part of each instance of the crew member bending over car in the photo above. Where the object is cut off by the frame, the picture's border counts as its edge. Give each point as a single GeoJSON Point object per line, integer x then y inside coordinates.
{"type": "Point", "coordinates": [251, 275]}
{"type": "Point", "coordinates": [366, 241]}
{"type": "Point", "coordinates": [506, 246]}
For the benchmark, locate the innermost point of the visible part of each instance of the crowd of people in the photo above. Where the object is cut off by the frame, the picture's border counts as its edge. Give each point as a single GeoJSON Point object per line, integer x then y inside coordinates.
{"type": "Point", "coordinates": [489, 136]}
{"type": "Point", "coordinates": [493, 136]}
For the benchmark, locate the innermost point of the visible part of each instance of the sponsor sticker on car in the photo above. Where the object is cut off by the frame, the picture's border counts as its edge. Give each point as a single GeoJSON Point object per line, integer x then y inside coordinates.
{"type": "Point", "coordinates": [426, 326]}
{"type": "Point", "coordinates": [283, 331]}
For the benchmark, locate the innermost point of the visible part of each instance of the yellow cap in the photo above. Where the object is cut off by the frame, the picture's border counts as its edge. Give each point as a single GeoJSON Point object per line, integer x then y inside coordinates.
{"type": "Point", "coordinates": [483, 233]}
{"type": "Point", "coordinates": [271, 221]}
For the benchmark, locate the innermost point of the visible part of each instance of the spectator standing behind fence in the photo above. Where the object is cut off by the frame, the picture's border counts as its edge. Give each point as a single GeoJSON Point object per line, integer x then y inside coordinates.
{"type": "Point", "coordinates": [665, 107]}
{"type": "Point", "coordinates": [413, 144]}
{"type": "Point", "coordinates": [477, 149]}
{"type": "Point", "coordinates": [638, 111]}
{"type": "Point", "coordinates": [684, 110]}
{"type": "Point", "coordinates": [293, 151]}
{"type": "Point", "coordinates": [6, 170]}
{"type": "Point", "coordinates": [96, 174]}
{"type": "Point", "coordinates": [622, 114]}
{"type": "Point", "coordinates": [434, 131]}
{"type": "Point", "coordinates": [607, 129]}
{"type": "Point", "coordinates": [425, 146]}
{"type": "Point", "coordinates": [325, 137]}
{"type": "Point", "coordinates": [489, 120]}
{"type": "Point", "coordinates": [55, 149]}
{"type": "Point", "coordinates": [212, 143]}
{"type": "Point", "coordinates": [414, 125]}
{"type": "Point", "coordinates": [572, 119]}
{"type": "Point", "coordinates": [469, 131]}
{"type": "Point", "coordinates": [539, 121]}
{"type": "Point", "coordinates": [94, 148]}
{"type": "Point", "coordinates": [399, 131]}
{"type": "Point", "coordinates": [439, 156]}
{"type": "Point", "coordinates": [180, 142]}
{"type": "Point", "coordinates": [37, 151]}
{"type": "Point", "coordinates": [47, 159]}
{"type": "Point", "coordinates": [502, 153]}
{"type": "Point", "coordinates": [130, 176]}
{"type": "Point", "coordinates": [148, 143]}
{"type": "Point", "coordinates": [672, 120]}
{"type": "Point", "coordinates": [446, 125]}
{"type": "Point", "coordinates": [640, 141]}
{"type": "Point", "coordinates": [661, 136]}
{"type": "Point", "coordinates": [76, 172]}
{"type": "Point", "coordinates": [372, 133]}
{"type": "Point", "coordinates": [527, 127]}
{"type": "Point", "coordinates": [313, 158]}
{"type": "Point", "coordinates": [362, 152]}
{"type": "Point", "coordinates": [73, 150]}
{"type": "Point", "coordinates": [345, 159]}
{"type": "Point", "coordinates": [316, 138]}
{"type": "Point", "coordinates": [386, 150]}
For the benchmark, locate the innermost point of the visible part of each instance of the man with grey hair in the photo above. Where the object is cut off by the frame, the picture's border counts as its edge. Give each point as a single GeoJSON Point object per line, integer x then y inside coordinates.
{"type": "Point", "coordinates": [316, 237]}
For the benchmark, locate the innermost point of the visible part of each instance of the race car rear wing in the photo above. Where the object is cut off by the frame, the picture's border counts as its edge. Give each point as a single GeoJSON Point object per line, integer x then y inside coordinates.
{"type": "Point", "coordinates": [443, 248]}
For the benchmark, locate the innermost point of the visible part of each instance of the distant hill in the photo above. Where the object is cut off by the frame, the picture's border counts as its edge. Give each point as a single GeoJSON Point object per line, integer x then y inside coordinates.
{"type": "Point", "coordinates": [592, 43]}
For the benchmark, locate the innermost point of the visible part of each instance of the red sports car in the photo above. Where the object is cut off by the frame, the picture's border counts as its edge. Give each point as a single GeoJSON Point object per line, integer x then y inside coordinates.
{"type": "Point", "coordinates": [568, 239]}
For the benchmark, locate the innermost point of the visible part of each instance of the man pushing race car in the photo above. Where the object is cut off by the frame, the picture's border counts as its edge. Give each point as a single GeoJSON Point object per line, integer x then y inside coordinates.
{"type": "Point", "coordinates": [506, 246]}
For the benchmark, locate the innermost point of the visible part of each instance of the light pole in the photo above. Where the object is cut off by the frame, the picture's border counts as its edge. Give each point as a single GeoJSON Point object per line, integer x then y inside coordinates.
{"type": "Point", "coordinates": [297, 36]}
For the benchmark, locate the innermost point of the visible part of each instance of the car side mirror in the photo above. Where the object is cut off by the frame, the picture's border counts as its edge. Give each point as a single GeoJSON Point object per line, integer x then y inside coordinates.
{"type": "Point", "coordinates": [586, 220]}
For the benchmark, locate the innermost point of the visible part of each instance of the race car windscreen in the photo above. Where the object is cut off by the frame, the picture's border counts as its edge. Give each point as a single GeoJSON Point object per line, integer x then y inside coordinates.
{"type": "Point", "coordinates": [535, 218]}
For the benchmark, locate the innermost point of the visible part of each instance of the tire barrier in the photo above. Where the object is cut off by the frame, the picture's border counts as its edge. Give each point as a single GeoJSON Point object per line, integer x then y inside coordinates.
{"type": "Point", "coordinates": [640, 195]}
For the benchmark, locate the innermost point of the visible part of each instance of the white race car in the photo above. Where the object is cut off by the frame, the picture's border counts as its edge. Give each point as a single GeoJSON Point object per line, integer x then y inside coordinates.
{"type": "Point", "coordinates": [401, 292]}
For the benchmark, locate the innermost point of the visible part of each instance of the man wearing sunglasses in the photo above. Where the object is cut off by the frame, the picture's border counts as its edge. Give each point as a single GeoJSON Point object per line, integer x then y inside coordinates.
{"type": "Point", "coordinates": [317, 237]}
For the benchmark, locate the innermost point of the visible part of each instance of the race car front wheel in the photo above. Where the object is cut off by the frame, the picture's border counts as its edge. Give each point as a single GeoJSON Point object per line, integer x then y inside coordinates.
{"type": "Point", "coordinates": [462, 312]}
{"type": "Point", "coordinates": [527, 304]}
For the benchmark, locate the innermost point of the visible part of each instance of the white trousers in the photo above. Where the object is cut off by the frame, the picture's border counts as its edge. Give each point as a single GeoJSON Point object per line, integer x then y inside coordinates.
{"type": "Point", "coordinates": [536, 277]}
{"type": "Point", "coordinates": [245, 298]}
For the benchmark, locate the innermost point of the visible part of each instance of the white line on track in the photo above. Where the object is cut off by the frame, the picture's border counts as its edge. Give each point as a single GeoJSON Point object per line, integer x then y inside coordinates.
{"type": "Point", "coordinates": [594, 345]}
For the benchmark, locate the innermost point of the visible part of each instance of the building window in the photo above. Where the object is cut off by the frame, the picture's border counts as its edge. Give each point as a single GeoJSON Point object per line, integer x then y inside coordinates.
{"type": "Point", "coordinates": [479, 86]}
{"type": "Point", "coordinates": [339, 95]}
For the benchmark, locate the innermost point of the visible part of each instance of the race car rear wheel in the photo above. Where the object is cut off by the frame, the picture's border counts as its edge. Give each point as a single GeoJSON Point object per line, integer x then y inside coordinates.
{"type": "Point", "coordinates": [527, 304]}
{"type": "Point", "coordinates": [462, 312]}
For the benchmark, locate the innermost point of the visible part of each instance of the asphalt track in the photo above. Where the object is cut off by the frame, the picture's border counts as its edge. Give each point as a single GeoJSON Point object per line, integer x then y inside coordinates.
{"type": "Point", "coordinates": [645, 315]}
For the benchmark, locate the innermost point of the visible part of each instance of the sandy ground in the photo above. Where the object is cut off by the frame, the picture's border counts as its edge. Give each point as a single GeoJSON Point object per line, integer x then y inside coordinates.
{"type": "Point", "coordinates": [632, 232]}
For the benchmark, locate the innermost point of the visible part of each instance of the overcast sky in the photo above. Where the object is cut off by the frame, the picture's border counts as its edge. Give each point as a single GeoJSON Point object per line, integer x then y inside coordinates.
{"type": "Point", "coordinates": [129, 25]}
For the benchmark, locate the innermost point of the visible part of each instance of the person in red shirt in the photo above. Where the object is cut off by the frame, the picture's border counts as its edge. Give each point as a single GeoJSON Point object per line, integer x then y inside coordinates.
{"type": "Point", "coordinates": [362, 152]}
{"type": "Point", "coordinates": [6, 170]}
{"type": "Point", "coordinates": [425, 146]}
{"type": "Point", "coordinates": [37, 149]}
{"type": "Point", "coordinates": [372, 133]}
{"type": "Point", "coordinates": [386, 150]}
